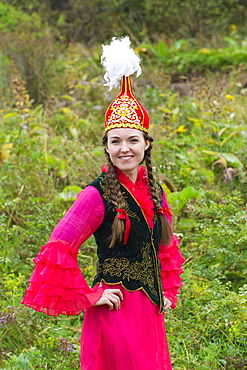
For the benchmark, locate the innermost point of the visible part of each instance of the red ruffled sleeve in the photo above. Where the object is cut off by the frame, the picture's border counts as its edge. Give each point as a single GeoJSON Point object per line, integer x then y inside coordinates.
{"type": "Point", "coordinates": [57, 285]}
{"type": "Point", "coordinates": [171, 261]}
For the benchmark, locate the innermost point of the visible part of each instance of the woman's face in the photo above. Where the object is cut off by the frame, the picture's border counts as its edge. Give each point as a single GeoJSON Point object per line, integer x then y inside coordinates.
{"type": "Point", "coordinates": [126, 147]}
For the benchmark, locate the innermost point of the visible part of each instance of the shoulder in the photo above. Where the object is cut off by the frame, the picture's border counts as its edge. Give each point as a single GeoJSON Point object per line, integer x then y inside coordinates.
{"type": "Point", "coordinates": [101, 184]}
{"type": "Point", "coordinates": [97, 183]}
{"type": "Point", "coordinates": [88, 193]}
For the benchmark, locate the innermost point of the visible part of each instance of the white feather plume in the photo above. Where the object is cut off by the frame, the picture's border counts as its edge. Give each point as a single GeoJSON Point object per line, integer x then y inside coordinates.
{"type": "Point", "coordinates": [118, 60]}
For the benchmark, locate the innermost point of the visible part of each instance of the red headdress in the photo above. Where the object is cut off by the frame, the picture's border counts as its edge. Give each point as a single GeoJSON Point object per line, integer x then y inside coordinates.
{"type": "Point", "coordinates": [119, 62]}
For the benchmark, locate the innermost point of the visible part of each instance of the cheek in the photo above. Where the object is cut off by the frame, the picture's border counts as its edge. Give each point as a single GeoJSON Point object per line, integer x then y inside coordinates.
{"type": "Point", "coordinates": [111, 152]}
{"type": "Point", "coordinates": [144, 148]}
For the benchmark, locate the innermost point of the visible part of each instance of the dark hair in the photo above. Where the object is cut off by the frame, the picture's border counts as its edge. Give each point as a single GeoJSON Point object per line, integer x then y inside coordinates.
{"type": "Point", "coordinates": [118, 202]}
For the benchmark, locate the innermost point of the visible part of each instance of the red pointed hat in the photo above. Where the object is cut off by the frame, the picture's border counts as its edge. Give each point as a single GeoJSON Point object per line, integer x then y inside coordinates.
{"type": "Point", "coordinates": [120, 61]}
{"type": "Point", "coordinates": [126, 110]}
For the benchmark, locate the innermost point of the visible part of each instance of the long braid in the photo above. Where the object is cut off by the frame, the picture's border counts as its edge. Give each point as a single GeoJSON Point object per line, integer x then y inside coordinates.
{"type": "Point", "coordinates": [151, 181]}
{"type": "Point", "coordinates": [116, 198]}
{"type": "Point", "coordinates": [166, 228]}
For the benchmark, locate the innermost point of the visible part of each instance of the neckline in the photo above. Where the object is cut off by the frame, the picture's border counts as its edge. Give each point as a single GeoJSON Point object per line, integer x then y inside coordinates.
{"type": "Point", "coordinates": [141, 177]}
{"type": "Point", "coordinates": [139, 190]}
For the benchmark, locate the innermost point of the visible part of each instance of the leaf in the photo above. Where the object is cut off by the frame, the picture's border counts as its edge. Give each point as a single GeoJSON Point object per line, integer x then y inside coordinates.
{"type": "Point", "coordinates": [222, 131]}
{"type": "Point", "coordinates": [230, 158]}
{"type": "Point", "coordinates": [171, 100]}
{"type": "Point", "coordinates": [74, 132]}
{"type": "Point", "coordinates": [165, 110]}
{"type": "Point", "coordinates": [180, 44]}
{"type": "Point", "coordinates": [5, 152]}
{"type": "Point", "coordinates": [233, 160]}
{"type": "Point", "coordinates": [186, 223]}
{"type": "Point", "coordinates": [196, 121]}
{"type": "Point", "coordinates": [98, 151]}
{"type": "Point", "coordinates": [9, 115]}
{"type": "Point", "coordinates": [70, 193]}
{"type": "Point", "coordinates": [231, 41]}
{"type": "Point", "coordinates": [161, 50]}
{"type": "Point", "coordinates": [178, 199]}
{"type": "Point", "coordinates": [215, 126]}
{"type": "Point", "coordinates": [227, 138]}
{"type": "Point", "coordinates": [175, 111]}
{"type": "Point", "coordinates": [213, 141]}
{"type": "Point", "coordinates": [166, 189]}
{"type": "Point", "coordinates": [82, 122]}
{"type": "Point", "coordinates": [67, 97]}
{"type": "Point", "coordinates": [221, 161]}
{"type": "Point", "coordinates": [57, 164]}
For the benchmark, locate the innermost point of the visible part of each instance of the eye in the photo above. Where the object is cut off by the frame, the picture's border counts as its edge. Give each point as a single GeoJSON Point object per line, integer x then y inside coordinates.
{"type": "Point", "coordinates": [134, 140]}
{"type": "Point", "coordinates": [114, 141]}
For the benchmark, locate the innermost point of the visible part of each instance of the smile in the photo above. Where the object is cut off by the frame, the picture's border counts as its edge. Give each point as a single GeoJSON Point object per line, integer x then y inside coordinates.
{"type": "Point", "coordinates": [126, 157]}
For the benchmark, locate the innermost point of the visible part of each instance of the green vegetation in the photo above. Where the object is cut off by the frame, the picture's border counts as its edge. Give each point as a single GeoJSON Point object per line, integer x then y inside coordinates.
{"type": "Point", "coordinates": [51, 114]}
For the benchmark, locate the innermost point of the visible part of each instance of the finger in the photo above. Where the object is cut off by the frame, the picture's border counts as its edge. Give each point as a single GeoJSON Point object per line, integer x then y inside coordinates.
{"type": "Point", "coordinates": [167, 305]}
{"type": "Point", "coordinates": [112, 298]}
{"type": "Point", "coordinates": [116, 301]}
{"type": "Point", "coordinates": [117, 292]}
{"type": "Point", "coordinates": [111, 306]}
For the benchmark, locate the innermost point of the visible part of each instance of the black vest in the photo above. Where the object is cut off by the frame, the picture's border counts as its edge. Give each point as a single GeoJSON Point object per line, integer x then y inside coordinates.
{"type": "Point", "coordinates": [134, 265]}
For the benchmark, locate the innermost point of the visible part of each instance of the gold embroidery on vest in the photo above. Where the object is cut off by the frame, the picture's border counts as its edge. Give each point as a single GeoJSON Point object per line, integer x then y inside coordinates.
{"type": "Point", "coordinates": [159, 193]}
{"type": "Point", "coordinates": [142, 271]}
{"type": "Point", "coordinates": [107, 196]}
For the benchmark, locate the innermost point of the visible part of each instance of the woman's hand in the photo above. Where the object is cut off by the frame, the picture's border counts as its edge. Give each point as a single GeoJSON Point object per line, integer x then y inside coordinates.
{"type": "Point", "coordinates": [167, 303]}
{"type": "Point", "coordinates": [111, 297]}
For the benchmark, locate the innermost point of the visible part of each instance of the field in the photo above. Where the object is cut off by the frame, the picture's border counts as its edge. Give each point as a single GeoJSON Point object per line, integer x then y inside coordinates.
{"type": "Point", "coordinates": [52, 112]}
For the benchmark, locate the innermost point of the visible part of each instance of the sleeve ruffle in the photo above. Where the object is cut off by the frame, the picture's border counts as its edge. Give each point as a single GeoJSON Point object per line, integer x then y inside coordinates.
{"type": "Point", "coordinates": [57, 285]}
{"type": "Point", "coordinates": [171, 261]}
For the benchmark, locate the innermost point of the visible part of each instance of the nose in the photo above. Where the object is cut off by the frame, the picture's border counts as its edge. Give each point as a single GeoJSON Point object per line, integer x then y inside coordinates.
{"type": "Point", "coordinates": [124, 147]}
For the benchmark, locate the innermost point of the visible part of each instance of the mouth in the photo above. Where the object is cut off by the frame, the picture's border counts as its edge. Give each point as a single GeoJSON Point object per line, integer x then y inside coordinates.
{"type": "Point", "coordinates": [125, 157]}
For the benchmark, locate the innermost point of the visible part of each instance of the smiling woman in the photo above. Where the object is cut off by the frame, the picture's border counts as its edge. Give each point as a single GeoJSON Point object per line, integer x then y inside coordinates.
{"type": "Point", "coordinates": [139, 263]}
{"type": "Point", "coordinates": [126, 148]}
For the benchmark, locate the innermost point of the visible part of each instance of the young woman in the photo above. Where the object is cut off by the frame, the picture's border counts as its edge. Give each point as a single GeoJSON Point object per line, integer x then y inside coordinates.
{"type": "Point", "coordinates": [139, 263]}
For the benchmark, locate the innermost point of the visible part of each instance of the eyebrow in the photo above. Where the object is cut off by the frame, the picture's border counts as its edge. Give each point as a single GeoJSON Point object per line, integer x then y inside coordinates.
{"type": "Point", "coordinates": [118, 137]}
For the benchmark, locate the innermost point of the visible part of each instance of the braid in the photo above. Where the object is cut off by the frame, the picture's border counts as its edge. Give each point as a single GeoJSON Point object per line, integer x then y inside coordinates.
{"type": "Point", "coordinates": [116, 198]}
{"type": "Point", "coordinates": [151, 180]}
{"type": "Point", "coordinates": [166, 228]}
{"type": "Point", "coordinates": [114, 185]}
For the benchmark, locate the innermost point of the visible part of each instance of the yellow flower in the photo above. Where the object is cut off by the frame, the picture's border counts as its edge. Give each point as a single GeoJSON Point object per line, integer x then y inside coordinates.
{"type": "Point", "coordinates": [228, 96]}
{"type": "Point", "coordinates": [204, 51]}
{"type": "Point", "coordinates": [233, 28]}
{"type": "Point", "coordinates": [140, 50]}
{"type": "Point", "coordinates": [65, 110]}
{"type": "Point", "coordinates": [180, 129]}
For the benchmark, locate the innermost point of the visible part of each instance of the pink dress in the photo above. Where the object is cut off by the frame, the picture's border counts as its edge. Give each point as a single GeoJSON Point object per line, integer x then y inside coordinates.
{"type": "Point", "coordinates": [133, 337]}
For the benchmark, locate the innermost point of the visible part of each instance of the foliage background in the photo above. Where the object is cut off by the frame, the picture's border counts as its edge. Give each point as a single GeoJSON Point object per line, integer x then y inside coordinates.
{"type": "Point", "coordinates": [52, 107]}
